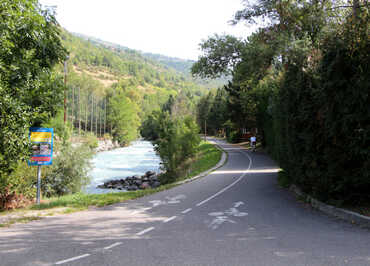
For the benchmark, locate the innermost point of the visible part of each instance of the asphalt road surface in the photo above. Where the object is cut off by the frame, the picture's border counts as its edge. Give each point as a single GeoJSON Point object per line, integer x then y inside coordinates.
{"type": "Point", "coordinates": [237, 215]}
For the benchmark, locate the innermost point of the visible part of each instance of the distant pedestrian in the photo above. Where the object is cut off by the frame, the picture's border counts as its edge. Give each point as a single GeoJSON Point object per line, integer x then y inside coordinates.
{"type": "Point", "coordinates": [253, 142]}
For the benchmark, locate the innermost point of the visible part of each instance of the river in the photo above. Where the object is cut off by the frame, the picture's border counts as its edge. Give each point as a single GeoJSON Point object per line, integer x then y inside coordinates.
{"type": "Point", "coordinates": [120, 163]}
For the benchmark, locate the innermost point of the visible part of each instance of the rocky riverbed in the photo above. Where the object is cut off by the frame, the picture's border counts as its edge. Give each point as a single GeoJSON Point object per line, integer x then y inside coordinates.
{"type": "Point", "coordinates": [132, 183]}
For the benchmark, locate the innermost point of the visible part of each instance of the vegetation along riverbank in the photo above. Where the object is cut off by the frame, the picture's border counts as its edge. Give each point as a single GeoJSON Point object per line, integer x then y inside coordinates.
{"type": "Point", "coordinates": [206, 157]}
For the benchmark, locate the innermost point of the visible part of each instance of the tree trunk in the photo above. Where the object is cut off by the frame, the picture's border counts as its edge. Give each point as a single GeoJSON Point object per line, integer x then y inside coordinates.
{"type": "Point", "coordinates": [355, 8]}
{"type": "Point", "coordinates": [79, 112]}
{"type": "Point", "coordinates": [92, 113]}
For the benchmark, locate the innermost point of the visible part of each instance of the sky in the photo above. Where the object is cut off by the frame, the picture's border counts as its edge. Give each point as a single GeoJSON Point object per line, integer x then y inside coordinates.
{"type": "Point", "coordinates": [169, 27]}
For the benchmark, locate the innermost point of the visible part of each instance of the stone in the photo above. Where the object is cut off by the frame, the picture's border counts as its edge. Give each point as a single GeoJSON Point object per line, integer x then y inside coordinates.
{"type": "Point", "coordinates": [138, 182]}
{"type": "Point", "coordinates": [153, 178]}
{"type": "Point", "coordinates": [145, 185]}
{"type": "Point", "coordinates": [132, 188]}
{"type": "Point", "coordinates": [156, 184]}
{"type": "Point", "coordinates": [149, 173]}
{"type": "Point", "coordinates": [136, 177]}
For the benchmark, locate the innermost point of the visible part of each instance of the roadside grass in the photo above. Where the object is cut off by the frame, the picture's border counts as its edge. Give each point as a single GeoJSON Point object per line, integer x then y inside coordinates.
{"type": "Point", "coordinates": [207, 157]}
{"type": "Point", "coordinates": [81, 201]}
{"type": "Point", "coordinates": [23, 219]}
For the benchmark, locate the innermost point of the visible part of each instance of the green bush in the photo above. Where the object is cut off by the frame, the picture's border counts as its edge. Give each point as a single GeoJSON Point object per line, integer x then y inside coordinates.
{"type": "Point", "coordinates": [18, 186]}
{"type": "Point", "coordinates": [178, 141]}
{"type": "Point", "coordinates": [283, 179]}
{"type": "Point", "coordinates": [91, 140]}
{"type": "Point", "coordinates": [68, 173]}
{"type": "Point", "coordinates": [233, 136]}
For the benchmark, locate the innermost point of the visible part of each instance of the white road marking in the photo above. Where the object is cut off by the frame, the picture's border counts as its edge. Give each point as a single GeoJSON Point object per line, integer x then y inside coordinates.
{"type": "Point", "coordinates": [176, 199]}
{"type": "Point", "coordinates": [157, 202]}
{"type": "Point", "coordinates": [235, 212]}
{"type": "Point", "coordinates": [170, 219]}
{"type": "Point", "coordinates": [216, 213]}
{"type": "Point", "coordinates": [220, 220]}
{"type": "Point", "coordinates": [269, 238]}
{"type": "Point", "coordinates": [186, 211]}
{"type": "Point", "coordinates": [222, 217]}
{"type": "Point", "coordinates": [72, 259]}
{"type": "Point", "coordinates": [145, 231]}
{"type": "Point", "coordinates": [229, 186]}
{"type": "Point", "coordinates": [169, 200]}
{"type": "Point", "coordinates": [113, 245]}
{"type": "Point", "coordinates": [140, 210]}
{"type": "Point", "coordinates": [237, 204]}
{"type": "Point", "coordinates": [289, 254]}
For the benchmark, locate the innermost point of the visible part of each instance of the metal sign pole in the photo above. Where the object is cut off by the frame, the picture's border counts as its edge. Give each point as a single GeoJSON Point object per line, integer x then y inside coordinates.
{"type": "Point", "coordinates": [38, 184]}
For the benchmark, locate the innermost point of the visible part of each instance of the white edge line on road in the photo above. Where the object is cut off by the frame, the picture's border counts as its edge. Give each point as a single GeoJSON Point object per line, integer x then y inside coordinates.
{"type": "Point", "coordinates": [170, 219]}
{"type": "Point", "coordinates": [113, 245]}
{"type": "Point", "coordinates": [145, 231]}
{"type": "Point", "coordinates": [140, 210]}
{"type": "Point", "coordinates": [72, 259]}
{"type": "Point", "coordinates": [186, 211]}
{"type": "Point", "coordinates": [229, 186]}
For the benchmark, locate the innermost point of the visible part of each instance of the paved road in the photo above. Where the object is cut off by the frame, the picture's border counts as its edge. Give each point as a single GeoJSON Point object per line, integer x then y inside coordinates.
{"type": "Point", "coordinates": [235, 216]}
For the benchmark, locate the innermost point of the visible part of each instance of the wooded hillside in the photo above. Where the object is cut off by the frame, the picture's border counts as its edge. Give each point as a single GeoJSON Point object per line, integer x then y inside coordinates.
{"type": "Point", "coordinates": [99, 71]}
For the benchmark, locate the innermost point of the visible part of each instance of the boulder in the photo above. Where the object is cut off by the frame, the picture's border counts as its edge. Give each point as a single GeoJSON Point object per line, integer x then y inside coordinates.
{"type": "Point", "coordinates": [138, 182]}
{"type": "Point", "coordinates": [153, 178]}
{"type": "Point", "coordinates": [132, 183]}
{"type": "Point", "coordinates": [132, 188]}
{"type": "Point", "coordinates": [145, 185]}
{"type": "Point", "coordinates": [136, 177]}
{"type": "Point", "coordinates": [149, 173]}
{"type": "Point", "coordinates": [156, 184]}
{"type": "Point", "coordinates": [120, 187]}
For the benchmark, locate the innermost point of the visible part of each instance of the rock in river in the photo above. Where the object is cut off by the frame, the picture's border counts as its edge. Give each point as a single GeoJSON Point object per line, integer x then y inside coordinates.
{"type": "Point", "coordinates": [132, 183]}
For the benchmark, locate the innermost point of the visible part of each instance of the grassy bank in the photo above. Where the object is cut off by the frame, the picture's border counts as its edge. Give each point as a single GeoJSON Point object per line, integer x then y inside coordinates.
{"type": "Point", "coordinates": [207, 157]}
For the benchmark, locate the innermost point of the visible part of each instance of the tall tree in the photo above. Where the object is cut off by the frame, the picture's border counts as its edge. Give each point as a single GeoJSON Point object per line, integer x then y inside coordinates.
{"type": "Point", "coordinates": [221, 54]}
{"type": "Point", "coordinates": [30, 92]}
{"type": "Point", "coordinates": [124, 116]}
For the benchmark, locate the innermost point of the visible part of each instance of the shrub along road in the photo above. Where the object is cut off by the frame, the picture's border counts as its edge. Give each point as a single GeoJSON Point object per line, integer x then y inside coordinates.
{"type": "Point", "coordinates": [236, 215]}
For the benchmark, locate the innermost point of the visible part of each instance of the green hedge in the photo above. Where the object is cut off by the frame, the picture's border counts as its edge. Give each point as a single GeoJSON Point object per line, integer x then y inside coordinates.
{"type": "Point", "coordinates": [324, 116]}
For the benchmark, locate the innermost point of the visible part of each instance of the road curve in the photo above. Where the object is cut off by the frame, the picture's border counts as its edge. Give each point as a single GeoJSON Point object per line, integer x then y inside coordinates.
{"type": "Point", "coordinates": [236, 215]}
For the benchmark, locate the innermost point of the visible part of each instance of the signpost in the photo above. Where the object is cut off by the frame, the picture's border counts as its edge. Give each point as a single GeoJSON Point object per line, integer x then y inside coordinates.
{"type": "Point", "coordinates": [42, 151]}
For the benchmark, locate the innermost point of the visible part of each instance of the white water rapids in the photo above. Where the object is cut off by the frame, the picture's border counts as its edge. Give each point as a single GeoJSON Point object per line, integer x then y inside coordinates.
{"type": "Point", "coordinates": [120, 163]}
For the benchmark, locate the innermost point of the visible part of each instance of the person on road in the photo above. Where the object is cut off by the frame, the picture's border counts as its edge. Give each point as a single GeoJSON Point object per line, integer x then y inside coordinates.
{"type": "Point", "coordinates": [253, 142]}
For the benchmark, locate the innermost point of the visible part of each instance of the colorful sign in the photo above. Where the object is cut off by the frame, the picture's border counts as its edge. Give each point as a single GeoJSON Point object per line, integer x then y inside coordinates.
{"type": "Point", "coordinates": [42, 146]}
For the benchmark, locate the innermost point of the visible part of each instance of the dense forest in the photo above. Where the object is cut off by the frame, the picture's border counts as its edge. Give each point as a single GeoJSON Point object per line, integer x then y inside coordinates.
{"type": "Point", "coordinates": [301, 83]}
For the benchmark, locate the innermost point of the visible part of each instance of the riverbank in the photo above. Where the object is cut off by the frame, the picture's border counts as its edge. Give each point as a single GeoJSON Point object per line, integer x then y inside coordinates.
{"type": "Point", "coordinates": [121, 163]}
{"type": "Point", "coordinates": [207, 157]}
{"type": "Point", "coordinates": [107, 145]}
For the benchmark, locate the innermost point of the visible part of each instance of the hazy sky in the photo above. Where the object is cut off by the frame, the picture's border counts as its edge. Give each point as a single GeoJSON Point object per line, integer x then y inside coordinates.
{"type": "Point", "coordinates": [169, 27]}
